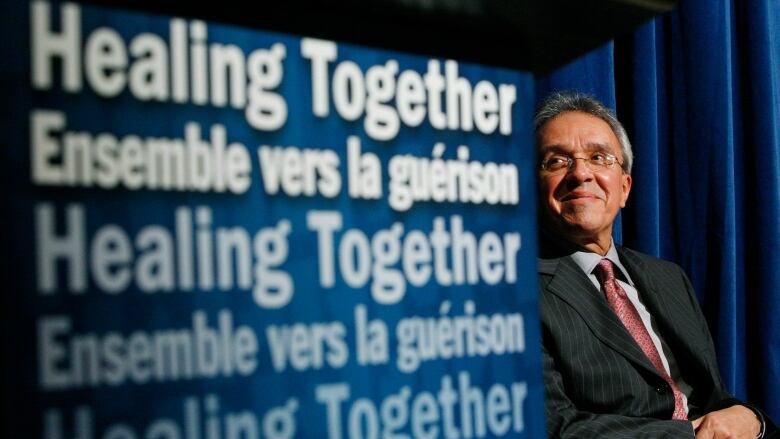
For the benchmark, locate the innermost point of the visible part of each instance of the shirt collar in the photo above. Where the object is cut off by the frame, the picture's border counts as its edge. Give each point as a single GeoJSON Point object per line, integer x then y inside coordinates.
{"type": "Point", "coordinates": [587, 262]}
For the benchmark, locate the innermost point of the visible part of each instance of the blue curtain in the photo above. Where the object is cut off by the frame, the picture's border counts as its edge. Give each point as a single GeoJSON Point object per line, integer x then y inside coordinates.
{"type": "Point", "coordinates": [699, 92]}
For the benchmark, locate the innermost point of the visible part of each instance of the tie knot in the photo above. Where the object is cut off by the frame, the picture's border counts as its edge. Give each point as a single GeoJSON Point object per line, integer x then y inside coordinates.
{"type": "Point", "coordinates": [605, 271]}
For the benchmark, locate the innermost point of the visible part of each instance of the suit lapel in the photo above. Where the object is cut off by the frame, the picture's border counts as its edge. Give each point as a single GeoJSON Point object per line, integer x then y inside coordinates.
{"type": "Point", "coordinates": [670, 315]}
{"type": "Point", "coordinates": [573, 286]}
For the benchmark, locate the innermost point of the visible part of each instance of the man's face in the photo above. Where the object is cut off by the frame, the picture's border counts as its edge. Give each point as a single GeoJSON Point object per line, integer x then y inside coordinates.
{"type": "Point", "coordinates": [581, 203]}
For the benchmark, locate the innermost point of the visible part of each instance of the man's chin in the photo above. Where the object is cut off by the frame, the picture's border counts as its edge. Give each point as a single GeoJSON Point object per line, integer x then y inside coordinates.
{"type": "Point", "coordinates": [575, 229]}
{"type": "Point", "coordinates": [573, 221]}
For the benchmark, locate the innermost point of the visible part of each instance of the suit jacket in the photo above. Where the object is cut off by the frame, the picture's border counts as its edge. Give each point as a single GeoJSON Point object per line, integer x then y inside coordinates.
{"type": "Point", "coordinates": [598, 381]}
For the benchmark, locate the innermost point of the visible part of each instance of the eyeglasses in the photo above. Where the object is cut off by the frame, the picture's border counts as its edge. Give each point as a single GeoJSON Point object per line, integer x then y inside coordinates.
{"type": "Point", "coordinates": [598, 161]}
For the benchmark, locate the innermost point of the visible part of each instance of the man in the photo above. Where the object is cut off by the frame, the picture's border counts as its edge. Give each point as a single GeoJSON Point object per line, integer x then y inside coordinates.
{"type": "Point", "coordinates": [626, 349]}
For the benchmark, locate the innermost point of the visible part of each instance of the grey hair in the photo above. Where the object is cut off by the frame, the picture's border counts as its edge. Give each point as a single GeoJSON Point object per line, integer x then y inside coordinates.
{"type": "Point", "coordinates": [561, 102]}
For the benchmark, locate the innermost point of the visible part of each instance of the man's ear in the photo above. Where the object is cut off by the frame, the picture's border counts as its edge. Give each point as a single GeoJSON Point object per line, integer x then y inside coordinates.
{"type": "Point", "coordinates": [626, 188]}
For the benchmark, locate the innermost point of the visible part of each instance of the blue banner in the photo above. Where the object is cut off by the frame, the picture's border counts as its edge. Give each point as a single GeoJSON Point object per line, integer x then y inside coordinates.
{"type": "Point", "coordinates": [223, 233]}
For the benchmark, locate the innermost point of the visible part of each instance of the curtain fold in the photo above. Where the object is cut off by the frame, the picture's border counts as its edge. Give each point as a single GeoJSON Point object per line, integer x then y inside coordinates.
{"type": "Point", "coordinates": [699, 92]}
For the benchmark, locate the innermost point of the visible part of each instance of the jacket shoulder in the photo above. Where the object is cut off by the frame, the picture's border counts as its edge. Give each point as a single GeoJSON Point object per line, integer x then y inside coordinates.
{"type": "Point", "coordinates": [646, 262]}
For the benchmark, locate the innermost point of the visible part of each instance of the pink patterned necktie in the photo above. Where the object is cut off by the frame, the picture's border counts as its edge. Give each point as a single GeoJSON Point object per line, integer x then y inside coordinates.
{"type": "Point", "coordinates": [625, 310]}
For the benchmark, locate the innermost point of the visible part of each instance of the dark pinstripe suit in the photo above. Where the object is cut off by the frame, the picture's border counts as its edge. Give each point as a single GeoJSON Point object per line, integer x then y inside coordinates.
{"type": "Point", "coordinates": [599, 383]}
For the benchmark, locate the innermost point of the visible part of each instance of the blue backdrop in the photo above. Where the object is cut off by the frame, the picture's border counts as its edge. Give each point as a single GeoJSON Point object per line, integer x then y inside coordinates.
{"type": "Point", "coordinates": [699, 92]}
{"type": "Point", "coordinates": [309, 302]}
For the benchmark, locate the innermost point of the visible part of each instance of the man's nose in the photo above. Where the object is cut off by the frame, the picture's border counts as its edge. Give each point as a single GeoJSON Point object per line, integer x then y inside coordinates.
{"type": "Point", "coordinates": [579, 170]}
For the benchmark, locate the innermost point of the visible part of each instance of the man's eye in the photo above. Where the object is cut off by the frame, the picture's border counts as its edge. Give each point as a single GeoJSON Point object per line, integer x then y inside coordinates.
{"type": "Point", "coordinates": [556, 161]}
{"type": "Point", "coordinates": [599, 157]}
